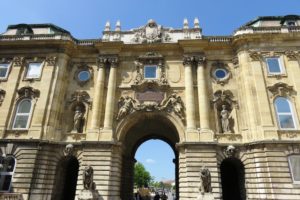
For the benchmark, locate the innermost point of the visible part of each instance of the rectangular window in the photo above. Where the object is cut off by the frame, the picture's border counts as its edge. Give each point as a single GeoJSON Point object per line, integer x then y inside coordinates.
{"type": "Point", "coordinates": [34, 70]}
{"type": "Point", "coordinates": [150, 72]}
{"type": "Point", "coordinates": [4, 68]}
{"type": "Point", "coordinates": [294, 162]}
{"type": "Point", "coordinates": [274, 65]}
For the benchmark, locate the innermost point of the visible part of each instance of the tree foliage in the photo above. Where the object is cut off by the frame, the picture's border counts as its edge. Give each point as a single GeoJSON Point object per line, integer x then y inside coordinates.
{"type": "Point", "coordinates": [141, 176]}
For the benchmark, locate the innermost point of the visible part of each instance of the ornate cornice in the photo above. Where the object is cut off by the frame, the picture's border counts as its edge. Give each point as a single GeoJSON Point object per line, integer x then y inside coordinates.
{"type": "Point", "coordinates": [28, 92]}
{"type": "Point", "coordinates": [80, 97]}
{"type": "Point", "coordinates": [281, 89]}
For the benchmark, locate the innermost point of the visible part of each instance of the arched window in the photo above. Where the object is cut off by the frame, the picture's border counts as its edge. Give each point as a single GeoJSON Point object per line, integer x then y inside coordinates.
{"type": "Point", "coordinates": [284, 112]}
{"type": "Point", "coordinates": [7, 168]}
{"type": "Point", "coordinates": [23, 114]}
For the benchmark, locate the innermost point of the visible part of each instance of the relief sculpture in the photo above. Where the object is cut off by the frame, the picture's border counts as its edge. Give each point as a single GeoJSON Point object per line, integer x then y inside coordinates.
{"type": "Point", "coordinates": [173, 103]}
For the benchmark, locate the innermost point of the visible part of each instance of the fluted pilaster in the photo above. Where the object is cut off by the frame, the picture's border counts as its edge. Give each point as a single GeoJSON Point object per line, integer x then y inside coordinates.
{"type": "Point", "coordinates": [189, 92]}
{"type": "Point", "coordinates": [202, 94]}
{"type": "Point", "coordinates": [98, 97]}
{"type": "Point", "coordinates": [111, 91]}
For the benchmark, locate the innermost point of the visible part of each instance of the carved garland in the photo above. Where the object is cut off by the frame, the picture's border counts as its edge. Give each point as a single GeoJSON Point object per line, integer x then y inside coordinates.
{"type": "Point", "coordinates": [28, 92]}
{"type": "Point", "coordinates": [281, 89]}
{"type": "Point", "coordinates": [173, 103]}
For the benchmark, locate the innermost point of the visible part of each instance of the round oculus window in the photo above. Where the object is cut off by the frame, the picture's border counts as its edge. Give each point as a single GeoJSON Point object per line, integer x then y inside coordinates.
{"type": "Point", "coordinates": [84, 76]}
{"type": "Point", "coordinates": [220, 73]}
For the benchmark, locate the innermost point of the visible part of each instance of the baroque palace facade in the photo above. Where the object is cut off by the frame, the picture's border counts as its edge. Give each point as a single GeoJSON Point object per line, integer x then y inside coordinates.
{"type": "Point", "coordinates": [73, 112]}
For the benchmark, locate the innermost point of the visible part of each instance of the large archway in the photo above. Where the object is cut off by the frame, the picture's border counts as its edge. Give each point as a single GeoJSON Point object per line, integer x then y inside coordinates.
{"type": "Point", "coordinates": [143, 128]}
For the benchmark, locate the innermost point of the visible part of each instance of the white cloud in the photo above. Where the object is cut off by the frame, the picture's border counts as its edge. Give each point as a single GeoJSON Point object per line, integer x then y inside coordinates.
{"type": "Point", "coordinates": [150, 161]}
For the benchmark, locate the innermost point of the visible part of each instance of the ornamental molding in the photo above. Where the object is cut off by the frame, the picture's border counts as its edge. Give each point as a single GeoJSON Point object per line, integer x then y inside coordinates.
{"type": "Point", "coordinates": [79, 97]}
{"type": "Point", "coordinates": [292, 55]}
{"type": "Point", "coordinates": [18, 61]}
{"type": "Point", "coordinates": [225, 67]}
{"type": "Point", "coordinates": [28, 92]}
{"type": "Point", "coordinates": [2, 95]}
{"type": "Point", "coordinates": [197, 60]}
{"type": "Point", "coordinates": [281, 89]}
{"type": "Point", "coordinates": [51, 60]}
{"type": "Point", "coordinates": [107, 60]}
{"type": "Point", "coordinates": [150, 58]}
{"type": "Point", "coordinates": [224, 96]}
{"type": "Point", "coordinates": [83, 67]}
{"type": "Point", "coordinates": [68, 150]}
{"type": "Point", "coordinates": [172, 103]}
{"type": "Point", "coordinates": [260, 55]}
{"type": "Point", "coordinates": [152, 33]}
{"type": "Point", "coordinates": [230, 151]}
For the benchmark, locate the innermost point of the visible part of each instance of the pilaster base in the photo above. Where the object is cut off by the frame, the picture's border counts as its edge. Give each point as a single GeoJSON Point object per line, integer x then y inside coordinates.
{"type": "Point", "coordinates": [106, 135]}
{"type": "Point", "coordinates": [93, 134]}
{"type": "Point", "coordinates": [206, 135]}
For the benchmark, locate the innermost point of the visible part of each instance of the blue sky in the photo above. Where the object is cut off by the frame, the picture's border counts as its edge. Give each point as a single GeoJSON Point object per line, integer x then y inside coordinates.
{"type": "Point", "coordinates": [86, 18]}
{"type": "Point", "coordinates": [157, 157]}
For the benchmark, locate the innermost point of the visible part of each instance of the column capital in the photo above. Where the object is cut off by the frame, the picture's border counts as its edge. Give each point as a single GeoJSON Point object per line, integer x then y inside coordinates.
{"type": "Point", "coordinates": [194, 60]}
{"type": "Point", "coordinates": [105, 60]}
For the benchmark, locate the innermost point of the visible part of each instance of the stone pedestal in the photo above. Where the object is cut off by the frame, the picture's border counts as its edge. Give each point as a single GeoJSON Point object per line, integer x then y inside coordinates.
{"type": "Point", "coordinates": [205, 196]}
{"type": "Point", "coordinates": [88, 195]}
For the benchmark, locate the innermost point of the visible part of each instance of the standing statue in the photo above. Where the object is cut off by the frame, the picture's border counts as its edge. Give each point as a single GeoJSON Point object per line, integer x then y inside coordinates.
{"type": "Point", "coordinates": [78, 120]}
{"type": "Point", "coordinates": [176, 104]}
{"type": "Point", "coordinates": [225, 119]}
{"type": "Point", "coordinates": [125, 106]}
{"type": "Point", "coordinates": [88, 177]}
{"type": "Point", "coordinates": [205, 181]}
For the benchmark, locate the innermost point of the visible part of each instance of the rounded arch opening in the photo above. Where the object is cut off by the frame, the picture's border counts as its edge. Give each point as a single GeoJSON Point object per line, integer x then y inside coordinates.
{"type": "Point", "coordinates": [233, 179]}
{"type": "Point", "coordinates": [66, 179]}
{"type": "Point", "coordinates": [141, 128]}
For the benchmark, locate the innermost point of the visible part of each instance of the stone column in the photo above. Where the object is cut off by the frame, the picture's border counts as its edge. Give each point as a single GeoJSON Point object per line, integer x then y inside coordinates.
{"type": "Point", "coordinates": [202, 94]}
{"type": "Point", "coordinates": [189, 92]}
{"type": "Point", "coordinates": [111, 91]}
{"type": "Point", "coordinates": [98, 97]}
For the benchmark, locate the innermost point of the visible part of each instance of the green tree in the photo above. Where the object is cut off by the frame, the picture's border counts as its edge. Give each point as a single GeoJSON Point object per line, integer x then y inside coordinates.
{"type": "Point", "coordinates": [141, 176]}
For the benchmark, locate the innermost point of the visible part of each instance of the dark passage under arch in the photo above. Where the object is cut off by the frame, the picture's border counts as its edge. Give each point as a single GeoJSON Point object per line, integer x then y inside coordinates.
{"type": "Point", "coordinates": [233, 179]}
{"type": "Point", "coordinates": [66, 179]}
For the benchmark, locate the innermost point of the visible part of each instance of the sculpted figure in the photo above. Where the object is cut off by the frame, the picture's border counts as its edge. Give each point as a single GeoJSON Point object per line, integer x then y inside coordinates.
{"type": "Point", "coordinates": [68, 149]}
{"type": "Point", "coordinates": [225, 119]}
{"type": "Point", "coordinates": [88, 182]}
{"type": "Point", "coordinates": [205, 181]}
{"type": "Point", "coordinates": [125, 105]}
{"type": "Point", "coordinates": [176, 104]}
{"type": "Point", "coordinates": [78, 119]}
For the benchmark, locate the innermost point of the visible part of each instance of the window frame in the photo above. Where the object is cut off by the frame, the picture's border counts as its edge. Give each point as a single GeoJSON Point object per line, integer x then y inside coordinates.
{"type": "Point", "coordinates": [292, 113]}
{"type": "Point", "coordinates": [8, 70]}
{"type": "Point", "coordinates": [26, 77]}
{"type": "Point", "coordinates": [9, 173]}
{"type": "Point", "coordinates": [16, 114]}
{"type": "Point", "coordinates": [156, 75]}
{"type": "Point", "coordinates": [290, 168]}
{"type": "Point", "coordinates": [280, 63]}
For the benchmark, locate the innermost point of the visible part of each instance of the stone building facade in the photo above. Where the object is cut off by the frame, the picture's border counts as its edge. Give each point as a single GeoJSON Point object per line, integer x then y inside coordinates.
{"type": "Point", "coordinates": [73, 112]}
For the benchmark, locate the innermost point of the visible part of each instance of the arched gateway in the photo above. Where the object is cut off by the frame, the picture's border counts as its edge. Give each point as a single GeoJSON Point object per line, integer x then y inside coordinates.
{"type": "Point", "coordinates": [137, 129]}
